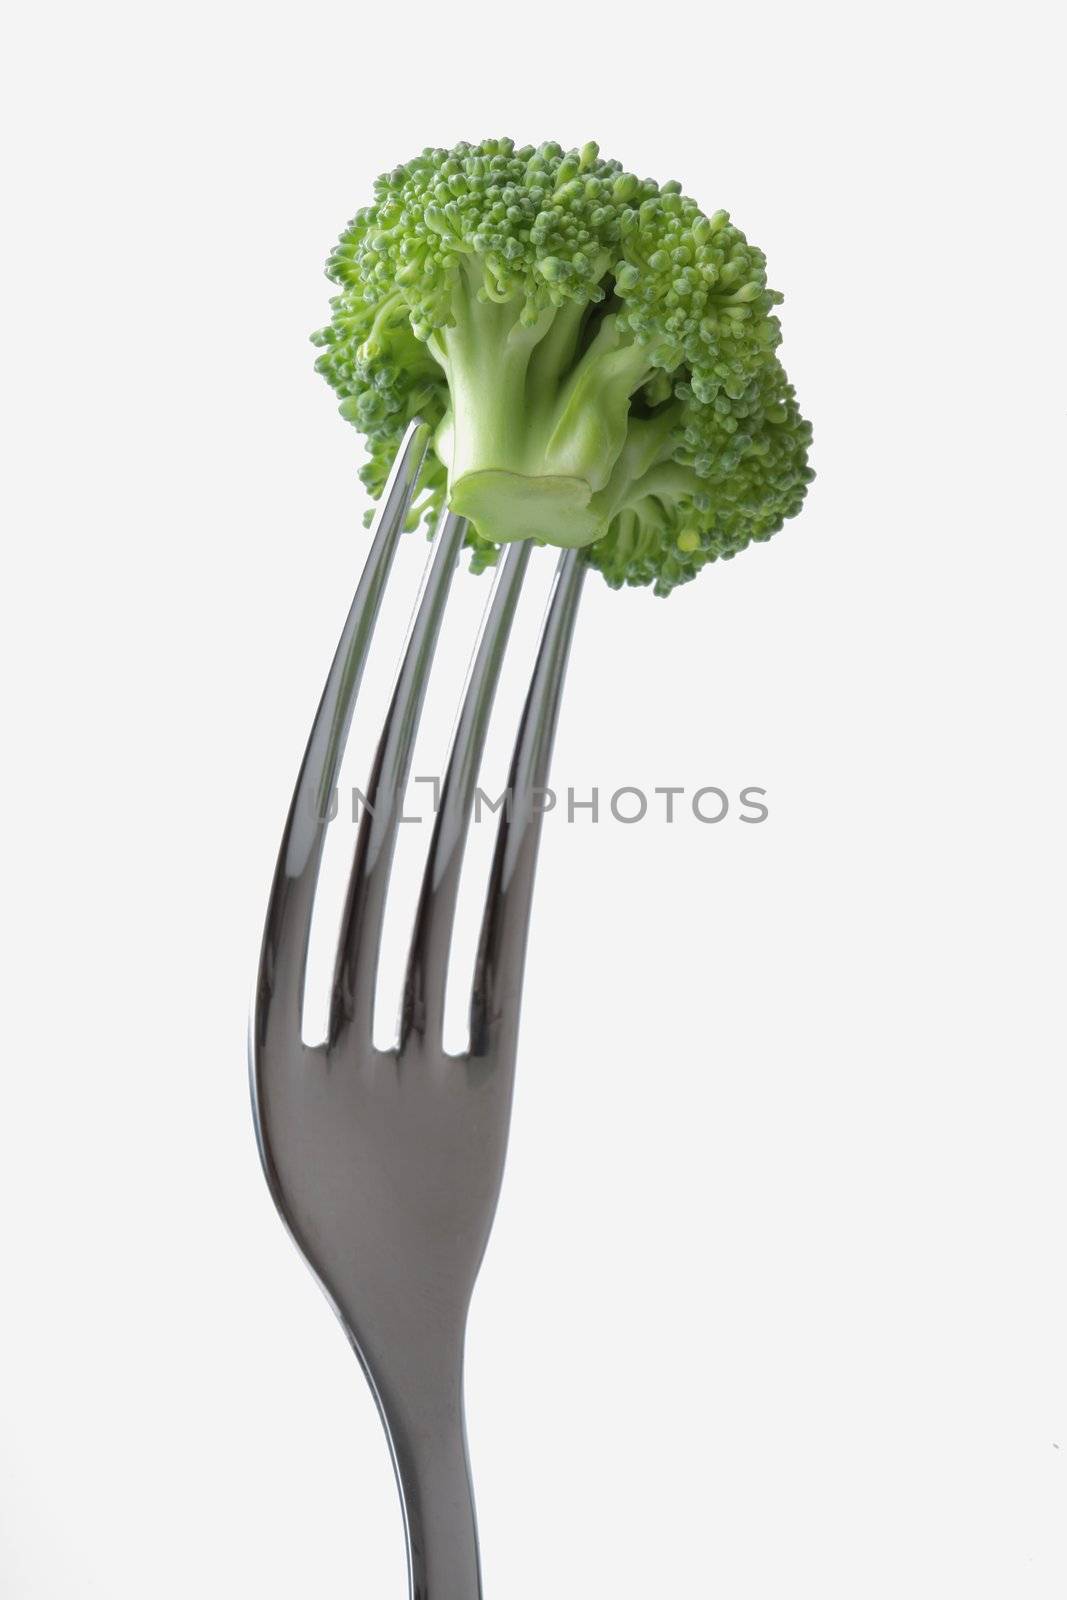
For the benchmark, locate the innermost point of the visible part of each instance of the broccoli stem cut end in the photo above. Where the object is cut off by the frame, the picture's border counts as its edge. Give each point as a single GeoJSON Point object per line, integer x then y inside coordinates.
{"type": "Point", "coordinates": [505, 506]}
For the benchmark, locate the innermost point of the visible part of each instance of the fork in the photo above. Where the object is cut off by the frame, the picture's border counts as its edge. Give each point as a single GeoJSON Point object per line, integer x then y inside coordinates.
{"type": "Point", "coordinates": [386, 1164]}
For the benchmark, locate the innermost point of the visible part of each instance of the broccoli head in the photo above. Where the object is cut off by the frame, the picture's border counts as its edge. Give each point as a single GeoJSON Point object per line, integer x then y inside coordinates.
{"type": "Point", "coordinates": [596, 357]}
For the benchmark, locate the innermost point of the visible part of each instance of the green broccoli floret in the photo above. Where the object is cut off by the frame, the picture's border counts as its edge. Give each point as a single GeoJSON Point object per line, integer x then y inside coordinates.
{"type": "Point", "coordinates": [595, 355]}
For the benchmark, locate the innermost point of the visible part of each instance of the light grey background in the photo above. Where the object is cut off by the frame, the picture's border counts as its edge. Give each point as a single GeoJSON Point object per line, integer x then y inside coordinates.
{"type": "Point", "coordinates": [778, 1306]}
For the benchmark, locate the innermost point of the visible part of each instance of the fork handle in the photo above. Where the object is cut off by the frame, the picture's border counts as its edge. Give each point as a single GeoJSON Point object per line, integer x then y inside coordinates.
{"type": "Point", "coordinates": [428, 1438]}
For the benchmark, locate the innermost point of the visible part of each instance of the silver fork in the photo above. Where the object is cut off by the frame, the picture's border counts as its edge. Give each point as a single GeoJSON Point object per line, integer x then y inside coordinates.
{"type": "Point", "coordinates": [386, 1164]}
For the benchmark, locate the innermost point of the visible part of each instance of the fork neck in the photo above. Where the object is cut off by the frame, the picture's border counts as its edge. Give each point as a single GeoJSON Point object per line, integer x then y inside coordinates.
{"type": "Point", "coordinates": [424, 1420]}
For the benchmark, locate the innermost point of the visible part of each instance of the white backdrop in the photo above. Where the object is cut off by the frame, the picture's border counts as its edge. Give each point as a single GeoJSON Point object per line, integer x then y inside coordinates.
{"type": "Point", "coordinates": [775, 1303]}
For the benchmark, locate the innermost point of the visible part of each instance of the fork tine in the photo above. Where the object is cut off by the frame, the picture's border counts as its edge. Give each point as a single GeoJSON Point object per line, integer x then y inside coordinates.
{"type": "Point", "coordinates": [427, 974]}
{"type": "Point", "coordinates": [283, 959]}
{"type": "Point", "coordinates": [497, 987]}
{"type": "Point", "coordinates": [355, 973]}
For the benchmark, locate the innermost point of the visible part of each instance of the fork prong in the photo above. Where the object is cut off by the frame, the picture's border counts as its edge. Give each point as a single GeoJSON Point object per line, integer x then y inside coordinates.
{"type": "Point", "coordinates": [427, 973]}
{"type": "Point", "coordinates": [497, 988]}
{"type": "Point", "coordinates": [283, 959]}
{"type": "Point", "coordinates": [355, 973]}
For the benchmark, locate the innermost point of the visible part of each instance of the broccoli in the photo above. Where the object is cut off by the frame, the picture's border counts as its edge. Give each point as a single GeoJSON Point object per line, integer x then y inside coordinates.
{"type": "Point", "coordinates": [596, 357]}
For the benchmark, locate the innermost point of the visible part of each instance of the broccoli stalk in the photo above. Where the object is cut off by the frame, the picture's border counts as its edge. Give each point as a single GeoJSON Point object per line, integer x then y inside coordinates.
{"type": "Point", "coordinates": [534, 436]}
{"type": "Point", "coordinates": [597, 358]}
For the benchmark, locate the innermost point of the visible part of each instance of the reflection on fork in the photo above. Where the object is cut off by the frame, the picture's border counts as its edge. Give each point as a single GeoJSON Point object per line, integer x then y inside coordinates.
{"type": "Point", "coordinates": [386, 1164]}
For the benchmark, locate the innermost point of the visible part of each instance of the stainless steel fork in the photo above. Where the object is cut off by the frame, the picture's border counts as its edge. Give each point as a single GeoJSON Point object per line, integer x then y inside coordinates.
{"type": "Point", "coordinates": [386, 1165]}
